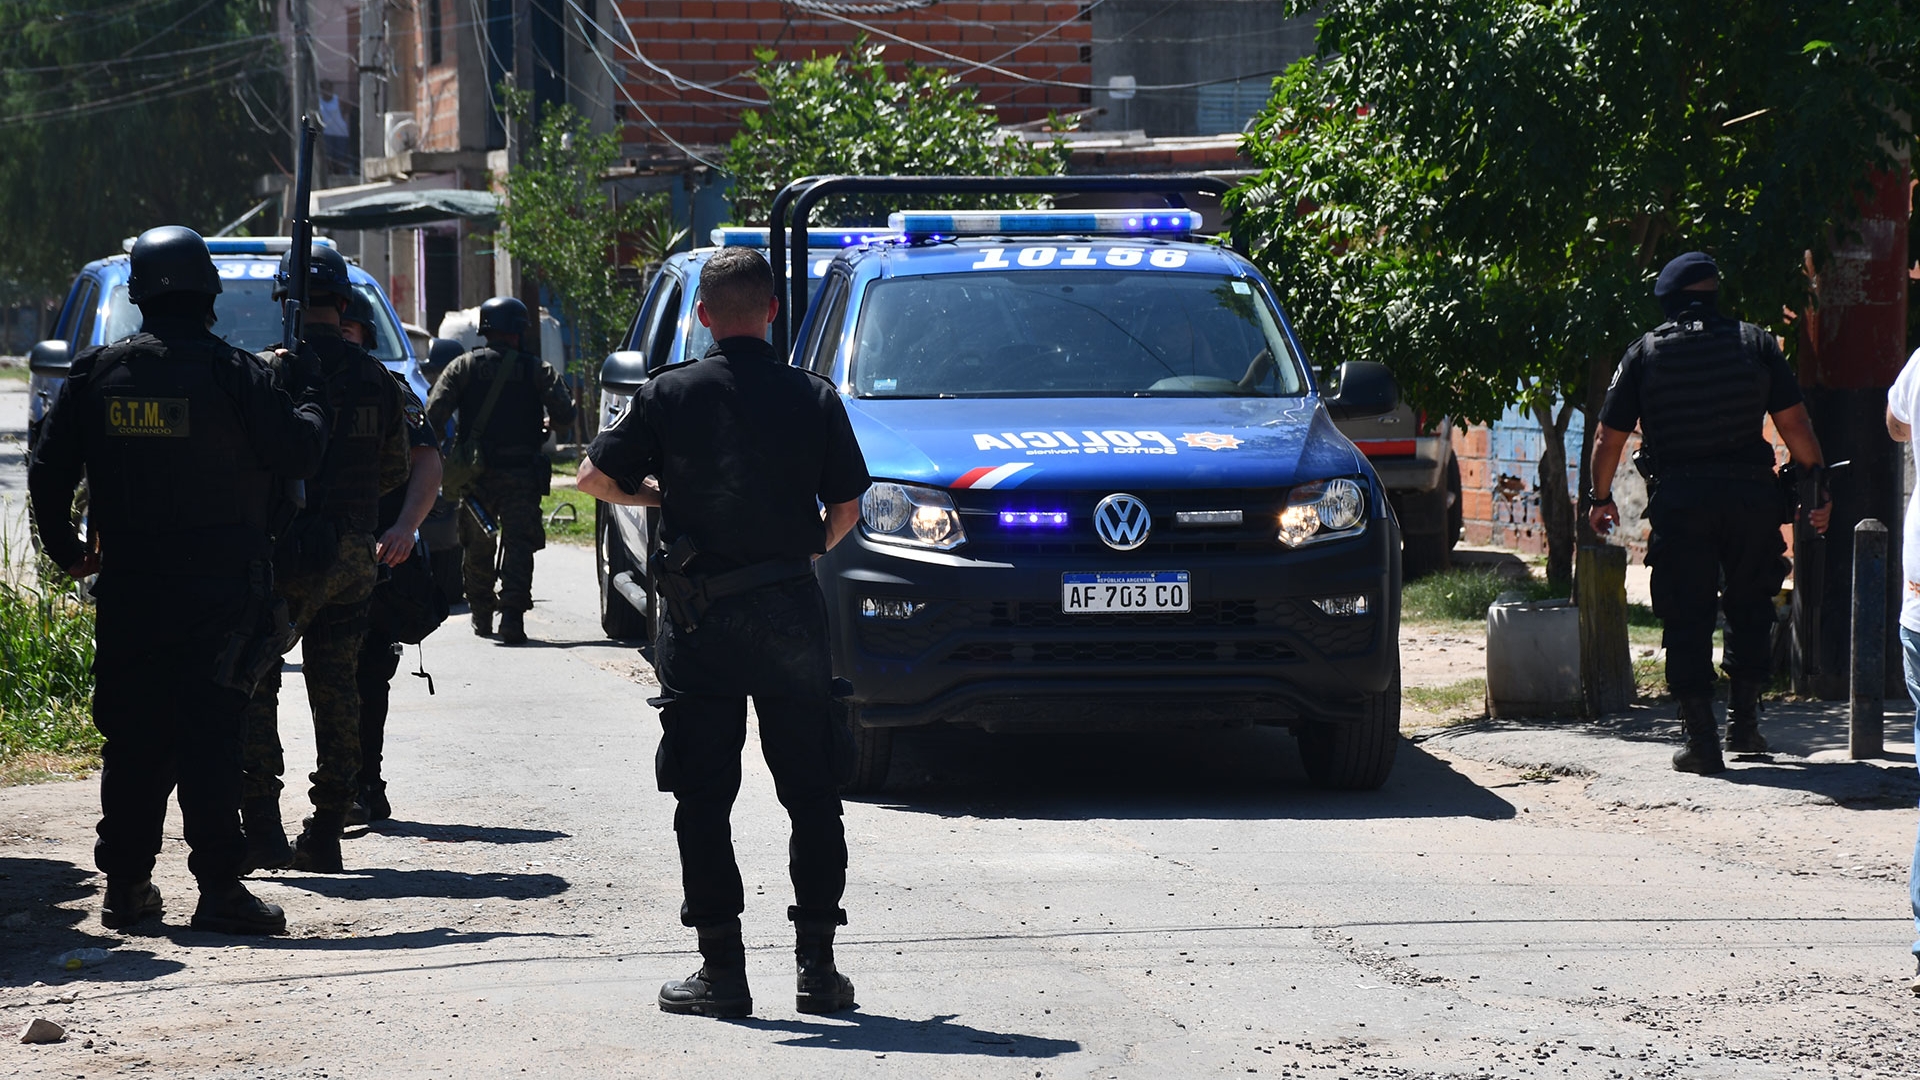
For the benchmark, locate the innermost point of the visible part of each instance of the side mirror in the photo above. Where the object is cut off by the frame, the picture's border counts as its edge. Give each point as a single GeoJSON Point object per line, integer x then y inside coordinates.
{"type": "Point", "coordinates": [1366, 389]}
{"type": "Point", "coordinates": [50, 358]}
{"type": "Point", "coordinates": [623, 372]}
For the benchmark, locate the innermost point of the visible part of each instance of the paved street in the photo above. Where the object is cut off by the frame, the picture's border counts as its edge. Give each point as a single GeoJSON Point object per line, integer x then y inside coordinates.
{"type": "Point", "coordinates": [1139, 906]}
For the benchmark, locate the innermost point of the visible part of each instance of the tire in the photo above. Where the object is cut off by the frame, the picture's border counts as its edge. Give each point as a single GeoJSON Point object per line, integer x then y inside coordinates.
{"type": "Point", "coordinates": [618, 619]}
{"type": "Point", "coordinates": [1425, 553]}
{"type": "Point", "coordinates": [1457, 513]}
{"type": "Point", "coordinates": [872, 751]}
{"type": "Point", "coordinates": [1355, 755]}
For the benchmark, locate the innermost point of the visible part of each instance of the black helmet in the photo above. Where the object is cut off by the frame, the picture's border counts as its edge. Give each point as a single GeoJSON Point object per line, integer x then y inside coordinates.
{"type": "Point", "coordinates": [360, 310]}
{"type": "Point", "coordinates": [326, 273]}
{"type": "Point", "coordinates": [443, 351]}
{"type": "Point", "coordinates": [503, 315]}
{"type": "Point", "coordinates": [171, 258]}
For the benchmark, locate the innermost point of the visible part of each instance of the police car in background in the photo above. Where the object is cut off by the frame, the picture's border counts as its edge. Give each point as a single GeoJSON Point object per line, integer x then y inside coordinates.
{"type": "Point", "coordinates": [97, 312]}
{"type": "Point", "coordinates": [1108, 492]}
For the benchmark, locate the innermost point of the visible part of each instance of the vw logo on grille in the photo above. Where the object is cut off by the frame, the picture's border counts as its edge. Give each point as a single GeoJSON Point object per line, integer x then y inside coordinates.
{"type": "Point", "coordinates": [1122, 522]}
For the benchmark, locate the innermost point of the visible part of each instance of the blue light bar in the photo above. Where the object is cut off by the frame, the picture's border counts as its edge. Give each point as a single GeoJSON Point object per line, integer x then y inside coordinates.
{"type": "Point", "coordinates": [246, 245]}
{"type": "Point", "coordinates": [1033, 519]}
{"type": "Point", "coordinates": [1044, 222]}
{"type": "Point", "coordinates": [756, 237]}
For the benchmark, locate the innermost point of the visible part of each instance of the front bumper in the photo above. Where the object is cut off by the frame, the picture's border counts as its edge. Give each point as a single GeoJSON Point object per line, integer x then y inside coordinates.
{"type": "Point", "coordinates": [991, 648]}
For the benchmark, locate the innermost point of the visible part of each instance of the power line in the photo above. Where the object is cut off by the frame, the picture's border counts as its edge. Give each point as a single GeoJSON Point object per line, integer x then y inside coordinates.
{"type": "Point", "coordinates": [188, 83]}
{"type": "Point", "coordinates": [98, 65]}
{"type": "Point", "coordinates": [1047, 33]}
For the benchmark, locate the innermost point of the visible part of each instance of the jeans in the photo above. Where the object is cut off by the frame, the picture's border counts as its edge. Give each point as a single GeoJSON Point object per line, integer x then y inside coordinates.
{"type": "Point", "coordinates": [1910, 656]}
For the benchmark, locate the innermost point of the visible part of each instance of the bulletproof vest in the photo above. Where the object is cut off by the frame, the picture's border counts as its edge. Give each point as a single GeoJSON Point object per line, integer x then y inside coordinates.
{"type": "Point", "coordinates": [362, 401]}
{"type": "Point", "coordinates": [173, 480]}
{"type": "Point", "coordinates": [1703, 396]}
{"type": "Point", "coordinates": [515, 428]}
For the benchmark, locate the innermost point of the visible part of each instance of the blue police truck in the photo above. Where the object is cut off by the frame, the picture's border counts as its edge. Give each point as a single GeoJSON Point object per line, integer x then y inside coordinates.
{"type": "Point", "coordinates": [1108, 490]}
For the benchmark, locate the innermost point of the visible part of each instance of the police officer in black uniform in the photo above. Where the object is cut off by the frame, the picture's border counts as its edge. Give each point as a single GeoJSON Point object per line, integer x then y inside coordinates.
{"type": "Point", "coordinates": [180, 437]}
{"type": "Point", "coordinates": [736, 448]}
{"type": "Point", "coordinates": [1700, 386]}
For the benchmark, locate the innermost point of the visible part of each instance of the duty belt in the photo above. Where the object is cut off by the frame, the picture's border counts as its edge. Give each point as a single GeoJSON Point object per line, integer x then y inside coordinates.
{"type": "Point", "coordinates": [688, 596]}
{"type": "Point", "coordinates": [1741, 471]}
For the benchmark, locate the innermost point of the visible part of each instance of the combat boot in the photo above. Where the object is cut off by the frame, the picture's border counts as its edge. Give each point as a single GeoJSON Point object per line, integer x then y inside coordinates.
{"type": "Point", "coordinates": [318, 849]}
{"type": "Point", "coordinates": [228, 908]}
{"type": "Point", "coordinates": [374, 798]}
{"type": "Point", "coordinates": [719, 988]}
{"type": "Point", "coordinates": [128, 901]}
{"type": "Point", "coordinates": [1702, 752]}
{"type": "Point", "coordinates": [266, 839]}
{"type": "Point", "coordinates": [513, 627]}
{"type": "Point", "coordinates": [820, 986]}
{"type": "Point", "coordinates": [1743, 719]}
{"type": "Point", "coordinates": [482, 622]}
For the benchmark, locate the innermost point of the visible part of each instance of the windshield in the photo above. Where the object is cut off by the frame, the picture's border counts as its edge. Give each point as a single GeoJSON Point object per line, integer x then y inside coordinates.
{"type": "Point", "coordinates": [249, 317]}
{"type": "Point", "coordinates": [1079, 333]}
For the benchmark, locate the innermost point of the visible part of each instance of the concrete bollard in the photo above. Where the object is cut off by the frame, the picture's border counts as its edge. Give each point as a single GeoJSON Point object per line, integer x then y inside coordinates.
{"type": "Point", "coordinates": [1866, 733]}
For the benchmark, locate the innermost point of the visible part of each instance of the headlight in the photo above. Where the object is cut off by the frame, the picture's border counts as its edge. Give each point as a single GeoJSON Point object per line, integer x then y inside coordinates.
{"type": "Point", "coordinates": [1326, 510]}
{"type": "Point", "coordinates": [911, 515]}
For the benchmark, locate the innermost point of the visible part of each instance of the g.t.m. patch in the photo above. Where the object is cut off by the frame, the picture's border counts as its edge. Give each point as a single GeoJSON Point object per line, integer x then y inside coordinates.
{"type": "Point", "coordinates": [145, 416]}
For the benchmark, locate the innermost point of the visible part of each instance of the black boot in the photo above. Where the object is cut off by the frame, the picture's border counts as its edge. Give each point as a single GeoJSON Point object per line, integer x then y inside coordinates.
{"type": "Point", "coordinates": [821, 987]}
{"type": "Point", "coordinates": [228, 908]}
{"type": "Point", "coordinates": [374, 797]}
{"type": "Point", "coordinates": [1743, 719]}
{"type": "Point", "coordinates": [266, 839]}
{"type": "Point", "coordinates": [128, 901]}
{"type": "Point", "coordinates": [513, 628]}
{"type": "Point", "coordinates": [1702, 752]}
{"type": "Point", "coordinates": [482, 621]}
{"type": "Point", "coordinates": [318, 849]}
{"type": "Point", "coordinates": [357, 813]}
{"type": "Point", "coordinates": [719, 988]}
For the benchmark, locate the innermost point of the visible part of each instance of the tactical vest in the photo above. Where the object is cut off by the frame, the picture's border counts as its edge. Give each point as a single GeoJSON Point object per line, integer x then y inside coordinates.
{"type": "Point", "coordinates": [515, 430]}
{"type": "Point", "coordinates": [364, 405]}
{"type": "Point", "coordinates": [174, 485]}
{"type": "Point", "coordinates": [1703, 398]}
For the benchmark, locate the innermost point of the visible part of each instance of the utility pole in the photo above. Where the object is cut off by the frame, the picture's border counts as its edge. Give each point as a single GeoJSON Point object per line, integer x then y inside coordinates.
{"type": "Point", "coordinates": [373, 81]}
{"type": "Point", "coordinates": [300, 94]}
{"type": "Point", "coordinates": [520, 132]}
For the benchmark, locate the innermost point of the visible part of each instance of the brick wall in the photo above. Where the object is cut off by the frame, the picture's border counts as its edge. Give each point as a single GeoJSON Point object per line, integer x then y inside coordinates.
{"type": "Point", "coordinates": [712, 44]}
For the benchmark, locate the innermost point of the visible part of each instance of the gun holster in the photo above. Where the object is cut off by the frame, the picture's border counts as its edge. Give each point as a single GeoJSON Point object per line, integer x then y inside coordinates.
{"type": "Point", "coordinates": [250, 653]}
{"type": "Point", "coordinates": [1648, 467]}
{"type": "Point", "coordinates": [685, 595]}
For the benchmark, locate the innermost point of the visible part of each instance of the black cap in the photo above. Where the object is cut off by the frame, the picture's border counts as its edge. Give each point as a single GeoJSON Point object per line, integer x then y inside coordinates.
{"type": "Point", "coordinates": [1689, 269]}
{"type": "Point", "coordinates": [503, 315]}
{"type": "Point", "coordinates": [170, 259]}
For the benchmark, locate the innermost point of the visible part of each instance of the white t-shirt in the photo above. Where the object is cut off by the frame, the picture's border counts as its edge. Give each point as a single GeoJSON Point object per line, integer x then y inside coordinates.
{"type": "Point", "coordinates": [1903, 401]}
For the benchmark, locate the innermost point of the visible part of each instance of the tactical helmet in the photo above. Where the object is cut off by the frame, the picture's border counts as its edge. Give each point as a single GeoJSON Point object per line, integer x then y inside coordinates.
{"type": "Point", "coordinates": [443, 351]}
{"type": "Point", "coordinates": [171, 258]}
{"type": "Point", "coordinates": [360, 310]}
{"type": "Point", "coordinates": [503, 315]}
{"type": "Point", "coordinates": [326, 273]}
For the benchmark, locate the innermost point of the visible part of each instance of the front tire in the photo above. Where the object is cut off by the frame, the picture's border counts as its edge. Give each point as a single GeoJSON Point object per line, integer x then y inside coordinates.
{"type": "Point", "coordinates": [872, 750]}
{"type": "Point", "coordinates": [618, 619]}
{"type": "Point", "coordinates": [1354, 755]}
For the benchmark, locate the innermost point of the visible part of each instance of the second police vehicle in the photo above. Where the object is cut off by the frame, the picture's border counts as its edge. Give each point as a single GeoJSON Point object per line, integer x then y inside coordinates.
{"type": "Point", "coordinates": [1108, 491]}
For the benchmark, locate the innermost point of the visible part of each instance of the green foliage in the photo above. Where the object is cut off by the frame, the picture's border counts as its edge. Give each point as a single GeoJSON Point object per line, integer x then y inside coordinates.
{"type": "Point", "coordinates": [46, 662]}
{"type": "Point", "coordinates": [563, 226]}
{"type": "Point", "coordinates": [1465, 594]}
{"type": "Point", "coordinates": [1464, 700]}
{"type": "Point", "coordinates": [116, 117]}
{"type": "Point", "coordinates": [568, 513]}
{"type": "Point", "coordinates": [843, 114]}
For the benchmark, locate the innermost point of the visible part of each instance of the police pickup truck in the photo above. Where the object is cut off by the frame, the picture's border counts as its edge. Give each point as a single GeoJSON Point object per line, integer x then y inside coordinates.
{"type": "Point", "coordinates": [1109, 492]}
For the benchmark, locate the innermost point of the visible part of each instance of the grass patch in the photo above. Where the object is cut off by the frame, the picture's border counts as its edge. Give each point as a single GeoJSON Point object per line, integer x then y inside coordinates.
{"type": "Point", "coordinates": [554, 510]}
{"type": "Point", "coordinates": [1465, 594]}
{"type": "Point", "coordinates": [46, 671]}
{"type": "Point", "coordinates": [1466, 699]}
{"type": "Point", "coordinates": [565, 467]}
{"type": "Point", "coordinates": [18, 374]}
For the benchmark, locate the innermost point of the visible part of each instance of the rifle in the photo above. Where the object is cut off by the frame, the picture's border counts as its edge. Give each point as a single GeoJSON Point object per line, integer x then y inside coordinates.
{"type": "Point", "coordinates": [293, 308]}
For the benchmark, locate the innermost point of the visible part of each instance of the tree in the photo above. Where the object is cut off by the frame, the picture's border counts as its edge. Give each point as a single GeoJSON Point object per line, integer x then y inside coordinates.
{"type": "Point", "coordinates": [116, 117]}
{"type": "Point", "coordinates": [1479, 193]}
{"type": "Point", "coordinates": [842, 114]}
{"type": "Point", "coordinates": [561, 222]}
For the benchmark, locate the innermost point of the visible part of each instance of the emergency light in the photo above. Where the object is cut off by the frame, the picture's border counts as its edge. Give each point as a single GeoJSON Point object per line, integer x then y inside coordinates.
{"type": "Point", "coordinates": [756, 237]}
{"type": "Point", "coordinates": [246, 245]}
{"type": "Point", "coordinates": [1044, 222]}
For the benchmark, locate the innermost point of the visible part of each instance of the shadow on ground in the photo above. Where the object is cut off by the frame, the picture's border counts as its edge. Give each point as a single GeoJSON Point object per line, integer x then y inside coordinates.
{"type": "Point", "coordinates": [1250, 773]}
{"type": "Point", "coordinates": [875, 1034]}
{"type": "Point", "coordinates": [61, 903]}
{"type": "Point", "coordinates": [465, 834]}
{"type": "Point", "coordinates": [386, 884]}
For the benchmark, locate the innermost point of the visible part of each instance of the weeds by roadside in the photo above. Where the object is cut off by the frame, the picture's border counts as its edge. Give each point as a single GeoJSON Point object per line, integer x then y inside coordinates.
{"type": "Point", "coordinates": [1465, 594]}
{"type": "Point", "coordinates": [1458, 702]}
{"type": "Point", "coordinates": [562, 528]}
{"type": "Point", "coordinates": [46, 670]}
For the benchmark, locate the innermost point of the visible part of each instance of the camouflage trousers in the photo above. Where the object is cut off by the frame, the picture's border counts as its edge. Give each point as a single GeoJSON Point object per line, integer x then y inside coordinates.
{"type": "Point", "coordinates": [512, 496]}
{"type": "Point", "coordinates": [330, 611]}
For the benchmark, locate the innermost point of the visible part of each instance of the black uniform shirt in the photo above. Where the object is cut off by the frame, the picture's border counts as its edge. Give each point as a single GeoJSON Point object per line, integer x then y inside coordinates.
{"type": "Point", "coordinates": [743, 445]}
{"type": "Point", "coordinates": [1706, 402]}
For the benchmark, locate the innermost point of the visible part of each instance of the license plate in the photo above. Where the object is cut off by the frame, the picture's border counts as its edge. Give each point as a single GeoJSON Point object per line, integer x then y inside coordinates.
{"type": "Point", "coordinates": [1133, 590]}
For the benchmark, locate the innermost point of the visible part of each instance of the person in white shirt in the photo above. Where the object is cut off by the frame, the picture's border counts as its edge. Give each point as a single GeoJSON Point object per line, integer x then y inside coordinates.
{"type": "Point", "coordinates": [333, 126]}
{"type": "Point", "coordinates": [1903, 404]}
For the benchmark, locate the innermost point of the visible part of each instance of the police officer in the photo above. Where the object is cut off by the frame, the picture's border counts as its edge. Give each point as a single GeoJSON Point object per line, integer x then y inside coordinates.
{"type": "Point", "coordinates": [736, 448]}
{"type": "Point", "coordinates": [180, 437]}
{"type": "Point", "coordinates": [401, 512]}
{"type": "Point", "coordinates": [326, 568]}
{"type": "Point", "coordinates": [507, 426]}
{"type": "Point", "coordinates": [1699, 386]}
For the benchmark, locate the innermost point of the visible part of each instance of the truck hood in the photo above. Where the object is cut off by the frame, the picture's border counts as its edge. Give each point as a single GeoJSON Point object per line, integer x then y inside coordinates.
{"type": "Point", "coordinates": [1101, 443]}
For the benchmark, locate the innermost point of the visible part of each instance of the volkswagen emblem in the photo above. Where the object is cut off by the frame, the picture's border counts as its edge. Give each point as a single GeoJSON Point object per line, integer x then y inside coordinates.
{"type": "Point", "coordinates": [1122, 522]}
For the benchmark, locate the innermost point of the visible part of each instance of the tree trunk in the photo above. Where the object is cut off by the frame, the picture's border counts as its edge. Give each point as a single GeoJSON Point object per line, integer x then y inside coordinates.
{"type": "Point", "coordinates": [1556, 503]}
